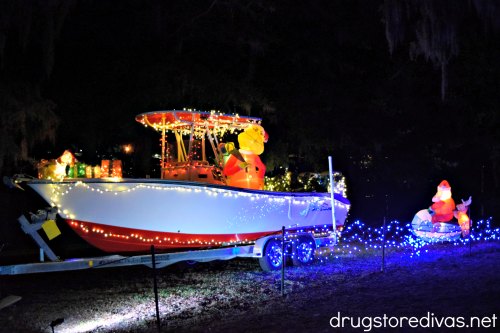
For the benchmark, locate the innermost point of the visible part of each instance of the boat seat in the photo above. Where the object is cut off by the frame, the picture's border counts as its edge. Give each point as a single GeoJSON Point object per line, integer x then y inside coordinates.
{"type": "Point", "coordinates": [197, 171]}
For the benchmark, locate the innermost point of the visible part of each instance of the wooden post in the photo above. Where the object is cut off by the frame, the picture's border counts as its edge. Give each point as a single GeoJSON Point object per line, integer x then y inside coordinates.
{"type": "Point", "coordinates": [283, 261]}
{"type": "Point", "coordinates": [382, 269]}
{"type": "Point", "coordinates": [155, 287]}
{"type": "Point", "coordinates": [470, 233]}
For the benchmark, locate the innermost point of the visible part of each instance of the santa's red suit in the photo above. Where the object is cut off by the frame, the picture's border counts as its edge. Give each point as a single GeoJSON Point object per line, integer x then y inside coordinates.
{"type": "Point", "coordinates": [248, 174]}
{"type": "Point", "coordinates": [443, 205]}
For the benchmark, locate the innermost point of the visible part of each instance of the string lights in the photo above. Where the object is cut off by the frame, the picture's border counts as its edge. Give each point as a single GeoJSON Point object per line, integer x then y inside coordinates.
{"type": "Point", "coordinates": [181, 121]}
{"type": "Point", "coordinates": [309, 182]}
{"type": "Point", "coordinates": [355, 238]}
{"type": "Point", "coordinates": [358, 238]}
{"type": "Point", "coordinates": [256, 207]}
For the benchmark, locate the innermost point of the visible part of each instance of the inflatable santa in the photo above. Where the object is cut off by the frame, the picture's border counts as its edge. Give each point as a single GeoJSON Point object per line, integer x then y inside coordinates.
{"type": "Point", "coordinates": [244, 167]}
{"type": "Point", "coordinates": [435, 223]}
{"type": "Point", "coordinates": [443, 204]}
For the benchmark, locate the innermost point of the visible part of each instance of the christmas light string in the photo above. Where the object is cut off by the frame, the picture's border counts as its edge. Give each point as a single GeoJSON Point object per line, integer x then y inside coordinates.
{"type": "Point", "coordinates": [264, 201]}
{"type": "Point", "coordinates": [355, 238]}
{"type": "Point", "coordinates": [358, 238]}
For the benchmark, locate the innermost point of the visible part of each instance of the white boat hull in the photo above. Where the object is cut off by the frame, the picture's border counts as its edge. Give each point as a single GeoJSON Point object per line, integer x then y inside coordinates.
{"type": "Point", "coordinates": [131, 215]}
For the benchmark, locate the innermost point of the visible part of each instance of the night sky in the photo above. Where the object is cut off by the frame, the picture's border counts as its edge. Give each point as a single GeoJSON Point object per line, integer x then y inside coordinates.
{"type": "Point", "coordinates": [403, 94]}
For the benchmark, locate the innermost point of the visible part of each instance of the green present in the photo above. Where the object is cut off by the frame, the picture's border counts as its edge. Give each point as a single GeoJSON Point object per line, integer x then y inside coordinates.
{"type": "Point", "coordinates": [80, 169]}
{"type": "Point", "coordinates": [70, 172]}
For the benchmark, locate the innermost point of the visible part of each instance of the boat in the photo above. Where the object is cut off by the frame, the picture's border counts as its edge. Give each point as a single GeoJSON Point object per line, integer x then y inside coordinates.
{"type": "Point", "coordinates": [423, 227]}
{"type": "Point", "coordinates": [193, 204]}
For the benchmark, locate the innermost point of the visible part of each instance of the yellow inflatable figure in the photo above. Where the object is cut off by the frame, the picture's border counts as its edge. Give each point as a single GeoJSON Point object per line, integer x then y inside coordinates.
{"type": "Point", "coordinates": [462, 217]}
{"type": "Point", "coordinates": [244, 167]}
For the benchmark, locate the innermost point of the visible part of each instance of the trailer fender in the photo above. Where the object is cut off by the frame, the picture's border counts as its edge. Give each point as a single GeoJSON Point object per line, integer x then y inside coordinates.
{"type": "Point", "coordinates": [260, 244]}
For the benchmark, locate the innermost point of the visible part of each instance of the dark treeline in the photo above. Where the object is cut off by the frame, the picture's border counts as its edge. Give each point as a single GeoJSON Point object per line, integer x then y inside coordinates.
{"type": "Point", "coordinates": [403, 94]}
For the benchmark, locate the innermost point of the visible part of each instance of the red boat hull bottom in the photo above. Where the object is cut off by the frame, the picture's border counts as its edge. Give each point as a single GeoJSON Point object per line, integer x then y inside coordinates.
{"type": "Point", "coordinates": [113, 239]}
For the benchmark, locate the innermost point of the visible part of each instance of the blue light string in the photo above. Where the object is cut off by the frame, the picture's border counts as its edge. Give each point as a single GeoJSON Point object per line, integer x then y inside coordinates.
{"type": "Point", "coordinates": [358, 238]}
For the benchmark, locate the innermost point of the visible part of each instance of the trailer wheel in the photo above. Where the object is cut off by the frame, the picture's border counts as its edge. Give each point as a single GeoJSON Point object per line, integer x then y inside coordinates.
{"type": "Point", "coordinates": [303, 251]}
{"type": "Point", "coordinates": [272, 257]}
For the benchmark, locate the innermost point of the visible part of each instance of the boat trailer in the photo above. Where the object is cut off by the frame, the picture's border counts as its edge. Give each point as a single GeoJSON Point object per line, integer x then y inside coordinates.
{"type": "Point", "coordinates": [300, 245]}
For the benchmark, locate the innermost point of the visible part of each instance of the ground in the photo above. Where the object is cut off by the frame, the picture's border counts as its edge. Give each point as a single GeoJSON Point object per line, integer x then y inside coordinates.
{"type": "Point", "coordinates": [444, 282]}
